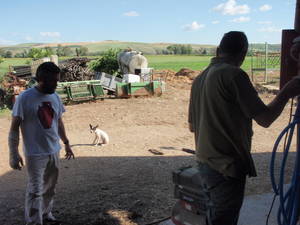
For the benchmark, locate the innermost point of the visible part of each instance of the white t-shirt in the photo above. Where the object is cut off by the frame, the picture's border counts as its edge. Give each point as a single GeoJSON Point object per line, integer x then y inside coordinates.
{"type": "Point", "coordinates": [39, 113]}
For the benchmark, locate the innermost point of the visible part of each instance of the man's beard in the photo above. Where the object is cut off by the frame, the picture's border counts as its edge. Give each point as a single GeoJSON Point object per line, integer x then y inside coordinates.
{"type": "Point", "coordinates": [48, 90]}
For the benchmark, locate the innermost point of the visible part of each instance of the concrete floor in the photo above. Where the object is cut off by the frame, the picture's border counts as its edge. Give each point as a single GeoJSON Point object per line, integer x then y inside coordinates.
{"type": "Point", "coordinates": [254, 210]}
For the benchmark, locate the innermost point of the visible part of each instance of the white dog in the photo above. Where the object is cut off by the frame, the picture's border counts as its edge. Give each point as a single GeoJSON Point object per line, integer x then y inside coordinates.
{"type": "Point", "coordinates": [100, 135]}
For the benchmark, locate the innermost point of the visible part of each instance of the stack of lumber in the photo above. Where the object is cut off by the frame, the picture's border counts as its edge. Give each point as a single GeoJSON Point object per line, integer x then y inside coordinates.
{"type": "Point", "coordinates": [23, 71]}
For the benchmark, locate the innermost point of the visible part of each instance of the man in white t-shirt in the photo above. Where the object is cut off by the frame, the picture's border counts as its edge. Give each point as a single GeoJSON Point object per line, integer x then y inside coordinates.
{"type": "Point", "coordinates": [38, 112]}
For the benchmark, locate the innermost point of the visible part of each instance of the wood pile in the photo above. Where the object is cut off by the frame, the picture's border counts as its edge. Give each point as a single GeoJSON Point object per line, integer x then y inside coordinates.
{"type": "Point", "coordinates": [75, 69]}
{"type": "Point", "coordinates": [12, 87]}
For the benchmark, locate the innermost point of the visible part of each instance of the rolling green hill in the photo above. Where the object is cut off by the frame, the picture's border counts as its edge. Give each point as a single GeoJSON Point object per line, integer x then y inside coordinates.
{"type": "Point", "coordinates": [261, 47]}
{"type": "Point", "coordinates": [146, 48]}
{"type": "Point", "coordinates": [98, 47]}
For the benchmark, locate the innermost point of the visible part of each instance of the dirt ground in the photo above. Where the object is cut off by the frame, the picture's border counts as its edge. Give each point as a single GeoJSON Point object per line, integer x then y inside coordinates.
{"type": "Point", "coordinates": [124, 182]}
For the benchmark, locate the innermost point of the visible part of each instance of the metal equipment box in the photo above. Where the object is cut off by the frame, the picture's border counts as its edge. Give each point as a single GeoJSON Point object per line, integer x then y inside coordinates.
{"type": "Point", "coordinates": [97, 90]}
{"type": "Point", "coordinates": [187, 188]}
{"type": "Point", "coordinates": [108, 81]}
{"type": "Point", "coordinates": [140, 89]}
{"type": "Point", "coordinates": [63, 92]}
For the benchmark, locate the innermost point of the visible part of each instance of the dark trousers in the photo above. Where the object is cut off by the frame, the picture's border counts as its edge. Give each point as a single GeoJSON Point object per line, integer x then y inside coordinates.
{"type": "Point", "coordinates": [223, 196]}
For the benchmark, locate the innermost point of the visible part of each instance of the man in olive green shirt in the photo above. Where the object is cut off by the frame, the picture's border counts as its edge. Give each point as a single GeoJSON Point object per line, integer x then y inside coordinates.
{"type": "Point", "coordinates": [223, 104]}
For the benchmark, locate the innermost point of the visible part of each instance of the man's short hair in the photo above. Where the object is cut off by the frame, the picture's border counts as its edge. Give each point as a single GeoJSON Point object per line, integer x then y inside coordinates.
{"type": "Point", "coordinates": [46, 69]}
{"type": "Point", "coordinates": [234, 42]}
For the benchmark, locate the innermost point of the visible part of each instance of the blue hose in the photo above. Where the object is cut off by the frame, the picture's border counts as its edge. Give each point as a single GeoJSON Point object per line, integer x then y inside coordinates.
{"type": "Point", "coordinates": [288, 212]}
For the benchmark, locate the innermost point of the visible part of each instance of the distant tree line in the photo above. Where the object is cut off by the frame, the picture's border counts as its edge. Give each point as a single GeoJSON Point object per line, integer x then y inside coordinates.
{"type": "Point", "coordinates": [37, 53]}
{"type": "Point", "coordinates": [60, 50]}
{"type": "Point", "coordinates": [174, 49]}
{"type": "Point", "coordinates": [178, 49]}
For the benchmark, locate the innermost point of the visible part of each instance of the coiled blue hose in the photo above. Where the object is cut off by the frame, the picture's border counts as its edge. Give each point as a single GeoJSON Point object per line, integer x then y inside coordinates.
{"type": "Point", "coordinates": [288, 211]}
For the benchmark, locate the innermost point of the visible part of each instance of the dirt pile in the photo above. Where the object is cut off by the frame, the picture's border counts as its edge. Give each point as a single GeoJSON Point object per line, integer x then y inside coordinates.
{"type": "Point", "coordinates": [182, 76]}
{"type": "Point", "coordinates": [185, 72]}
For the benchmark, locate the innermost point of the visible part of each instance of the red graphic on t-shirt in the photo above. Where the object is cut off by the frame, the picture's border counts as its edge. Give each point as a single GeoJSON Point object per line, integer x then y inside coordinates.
{"type": "Point", "coordinates": [45, 114]}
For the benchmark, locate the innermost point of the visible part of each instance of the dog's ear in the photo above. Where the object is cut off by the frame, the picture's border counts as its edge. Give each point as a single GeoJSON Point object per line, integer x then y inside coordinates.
{"type": "Point", "coordinates": [91, 127]}
{"type": "Point", "coordinates": [96, 126]}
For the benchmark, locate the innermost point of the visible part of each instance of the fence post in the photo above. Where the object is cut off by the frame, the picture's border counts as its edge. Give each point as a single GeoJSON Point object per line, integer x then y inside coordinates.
{"type": "Point", "coordinates": [266, 62]}
{"type": "Point", "coordinates": [252, 78]}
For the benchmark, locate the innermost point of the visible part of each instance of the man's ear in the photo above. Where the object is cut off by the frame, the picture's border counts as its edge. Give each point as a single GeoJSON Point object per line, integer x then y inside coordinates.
{"type": "Point", "coordinates": [218, 51]}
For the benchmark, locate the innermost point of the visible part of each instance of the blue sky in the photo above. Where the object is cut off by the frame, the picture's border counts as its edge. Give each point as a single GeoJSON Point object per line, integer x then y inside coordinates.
{"type": "Point", "coordinates": [172, 21]}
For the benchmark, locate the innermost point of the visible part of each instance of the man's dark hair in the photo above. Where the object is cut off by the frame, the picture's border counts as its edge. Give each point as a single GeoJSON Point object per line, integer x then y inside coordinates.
{"type": "Point", "coordinates": [46, 69]}
{"type": "Point", "coordinates": [233, 42]}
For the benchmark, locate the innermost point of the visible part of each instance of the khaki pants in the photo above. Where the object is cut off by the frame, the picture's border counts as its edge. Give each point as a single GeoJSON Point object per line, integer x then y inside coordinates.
{"type": "Point", "coordinates": [223, 196]}
{"type": "Point", "coordinates": [42, 178]}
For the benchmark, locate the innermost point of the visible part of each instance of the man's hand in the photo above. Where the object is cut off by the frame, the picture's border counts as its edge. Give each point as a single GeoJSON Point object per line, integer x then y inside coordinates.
{"type": "Point", "coordinates": [292, 88]}
{"type": "Point", "coordinates": [274, 109]}
{"type": "Point", "coordinates": [69, 153]}
{"type": "Point", "coordinates": [191, 128]}
{"type": "Point", "coordinates": [62, 133]}
{"type": "Point", "coordinates": [16, 161]}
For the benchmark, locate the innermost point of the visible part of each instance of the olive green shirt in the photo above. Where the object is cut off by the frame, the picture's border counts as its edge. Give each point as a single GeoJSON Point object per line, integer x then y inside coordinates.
{"type": "Point", "coordinates": [223, 103]}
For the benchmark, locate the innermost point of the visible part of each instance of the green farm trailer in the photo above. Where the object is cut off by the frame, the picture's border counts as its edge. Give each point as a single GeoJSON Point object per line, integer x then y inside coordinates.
{"type": "Point", "coordinates": [152, 88]}
{"type": "Point", "coordinates": [80, 90]}
{"type": "Point", "coordinates": [93, 89]}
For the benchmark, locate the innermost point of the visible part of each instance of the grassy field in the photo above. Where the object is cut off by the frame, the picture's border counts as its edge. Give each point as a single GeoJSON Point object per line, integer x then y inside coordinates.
{"type": "Point", "coordinates": [174, 62]}
{"type": "Point", "coordinates": [158, 62]}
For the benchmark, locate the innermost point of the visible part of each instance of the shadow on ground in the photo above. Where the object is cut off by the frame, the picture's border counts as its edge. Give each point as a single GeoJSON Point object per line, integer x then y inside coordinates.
{"type": "Point", "coordinates": [112, 190]}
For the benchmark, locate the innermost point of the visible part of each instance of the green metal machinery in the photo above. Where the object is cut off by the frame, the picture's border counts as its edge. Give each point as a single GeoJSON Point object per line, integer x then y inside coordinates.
{"type": "Point", "coordinates": [152, 88]}
{"type": "Point", "coordinates": [93, 89]}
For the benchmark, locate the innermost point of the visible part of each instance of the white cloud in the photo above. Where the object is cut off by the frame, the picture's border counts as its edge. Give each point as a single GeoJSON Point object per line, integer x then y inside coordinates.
{"type": "Point", "coordinates": [215, 22]}
{"type": "Point", "coordinates": [131, 13]}
{"type": "Point", "coordinates": [28, 38]}
{"type": "Point", "coordinates": [193, 26]}
{"type": "Point", "coordinates": [269, 29]}
{"type": "Point", "coordinates": [241, 19]}
{"type": "Point", "coordinates": [50, 34]}
{"type": "Point", "coordinates": [232, 8]}
{"type": "Point", "coordinates": [265, 7]}
{"type": "Point", "coordinates": [264, 22]}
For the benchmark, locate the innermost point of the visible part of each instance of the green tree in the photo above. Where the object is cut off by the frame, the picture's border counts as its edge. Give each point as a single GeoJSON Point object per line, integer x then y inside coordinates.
{"type": "Point", "coordinates": [2, 52]}
{"type": "Point", "coordinates": [172, 49]}
{"type": "Point", "coordinates": [189, 49]}
{"type": "Point", "coordinates": [67, 51]}
{"type": "Point", "coordinates": [25, 54]}
{"type": "Point", "coordinates": [37, 53]}
{"type": "Point", "coordinates": [48, 51]}
{"type": "Point", "coordinates": [18, 55]}
{"type": "Point", "coordinates": [59, 51]}
{"type": "Point", "coordinates": [179, 49]}
{"type": "Point", "coordinates": [211, 51]}
{"type": "Point", "coordinates": [8, 54]}
{"type": "Point", "coordinates": [82, 51]}
{"type": "Point", "coordinates": [108, 63]}
{"type": "Point", "coordinates": [1, 60]}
